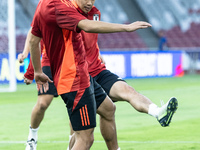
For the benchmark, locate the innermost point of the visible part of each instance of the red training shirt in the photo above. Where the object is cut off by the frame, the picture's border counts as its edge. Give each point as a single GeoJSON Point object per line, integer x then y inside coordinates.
{"type": "Point", "coordinates": [55, 21]}
{"type": "Point", "coordinates": [95, 66]}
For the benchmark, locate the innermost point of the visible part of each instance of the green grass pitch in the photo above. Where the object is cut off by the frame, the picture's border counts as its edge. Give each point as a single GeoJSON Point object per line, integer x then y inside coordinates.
{"type": "Point", "coordinates": [136, 131]}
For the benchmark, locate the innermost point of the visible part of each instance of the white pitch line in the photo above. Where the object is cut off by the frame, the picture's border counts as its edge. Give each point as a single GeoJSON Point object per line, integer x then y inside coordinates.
{"type": "Point", "coordinates": [137, 142]}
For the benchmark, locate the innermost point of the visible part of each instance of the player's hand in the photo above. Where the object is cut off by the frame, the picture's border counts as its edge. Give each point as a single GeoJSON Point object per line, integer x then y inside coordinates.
{"type": "Point", "coordinates": [27, 81]}
{"type": "Point", "coordinates": [21, 57]}
{"type": "Point", "coordinates": [137, 25]}
{"type": "Point", "coordinates": [42, 80]}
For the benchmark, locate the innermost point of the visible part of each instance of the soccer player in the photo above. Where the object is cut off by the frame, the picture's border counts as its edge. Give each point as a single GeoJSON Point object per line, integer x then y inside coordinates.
{"type": "Point", "coordinates": [44, 98]}
{"type": "Point", "coordinates": [59, 24]}
{"type": "Point", "coordinates": [116, 88]}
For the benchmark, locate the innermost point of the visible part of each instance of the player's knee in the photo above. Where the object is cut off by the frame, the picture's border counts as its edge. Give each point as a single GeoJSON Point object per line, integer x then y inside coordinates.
{"type": "Point", "coordinates": [110, 113]}
{"type": "Point", "coordinates": [43, 105]}
{"type": "Point", "coordinates": [87, 141]}
{"type": "Point", "coordinates": [44, 102]}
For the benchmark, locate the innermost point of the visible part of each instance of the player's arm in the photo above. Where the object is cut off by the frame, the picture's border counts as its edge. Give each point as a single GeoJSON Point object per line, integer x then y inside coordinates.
{"type": "Point", "coordinates": [29, 75]}
{"type": "Point", "coordinates": [26, 50]}
{"type": "Point", "coordinates": [40, 78]}
{"type": "Point", "coordinates": [35, 52]}
{"type": "Point", "coordinates": [104, 27]}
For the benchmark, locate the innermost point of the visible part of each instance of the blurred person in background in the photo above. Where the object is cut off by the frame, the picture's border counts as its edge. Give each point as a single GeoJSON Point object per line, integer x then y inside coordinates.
{"type": "Point", "coordinates": [162, 44]}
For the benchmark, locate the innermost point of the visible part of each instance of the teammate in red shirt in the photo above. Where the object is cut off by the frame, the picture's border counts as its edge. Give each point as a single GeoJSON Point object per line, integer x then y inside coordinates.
{"type": "Point", "coordinates": [114, 86]}
{"type": "Point", "coordinates": [118, 89]}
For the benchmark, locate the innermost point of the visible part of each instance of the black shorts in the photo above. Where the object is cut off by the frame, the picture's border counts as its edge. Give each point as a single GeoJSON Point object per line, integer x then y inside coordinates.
{"type": "Point", "coordinates": [106, 79]}
{"type": "Point", "coordinates": [52, 89]}
{"type": "Point", "coordinates": [82, 105]}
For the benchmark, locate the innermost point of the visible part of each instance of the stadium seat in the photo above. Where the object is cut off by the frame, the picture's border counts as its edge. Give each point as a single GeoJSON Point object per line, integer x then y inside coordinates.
{"type": "Point", "coordinates": [121, 40]}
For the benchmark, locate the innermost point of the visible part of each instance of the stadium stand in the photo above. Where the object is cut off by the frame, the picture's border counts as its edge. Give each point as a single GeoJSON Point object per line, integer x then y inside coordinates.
{"type": "Point", "coordinates": [118, 41]}
{"type": "Point", "coordinates": [22, 26]}
{"type": "Point", "coordinates": [23, 21]}
{"type": "Point", "coordinates": [111, 11]}
{"type": "Point", "coordinates": [190, 38]}
{"type": "Point", "coordinates": [29, 6]}
{"type": "Point", "coordinates": [3, 29]}
{"type": "Point", "coordinates": [179, 19]}
{"type": "Point", "coordinates": [3, 43]}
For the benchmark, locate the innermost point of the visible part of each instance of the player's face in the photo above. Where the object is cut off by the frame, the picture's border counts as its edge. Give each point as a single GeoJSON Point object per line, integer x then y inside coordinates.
{"type": "Point", "coordinates": [85, 5]}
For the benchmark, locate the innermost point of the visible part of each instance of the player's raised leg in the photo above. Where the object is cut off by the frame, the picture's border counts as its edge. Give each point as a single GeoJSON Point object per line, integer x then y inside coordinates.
{"type": "Point", "coordinates": [121, 91]}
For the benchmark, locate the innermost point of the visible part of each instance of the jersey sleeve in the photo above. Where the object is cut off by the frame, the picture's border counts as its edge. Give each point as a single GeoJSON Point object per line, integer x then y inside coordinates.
{"type": "Point", "coordinates": [69, 18]}
{"type": "Point", "coordinates": [30, 71]}
{"type": "Point", "coordinates": [35, 23]}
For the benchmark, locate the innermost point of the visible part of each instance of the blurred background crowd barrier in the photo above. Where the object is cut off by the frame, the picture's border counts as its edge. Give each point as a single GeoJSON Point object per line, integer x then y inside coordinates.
{"type": "Point", "coordinates": [175, 29]}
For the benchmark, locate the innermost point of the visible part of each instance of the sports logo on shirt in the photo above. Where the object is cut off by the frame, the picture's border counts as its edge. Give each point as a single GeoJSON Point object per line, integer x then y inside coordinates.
{"type": "Point", "coordinates": [96, 17]}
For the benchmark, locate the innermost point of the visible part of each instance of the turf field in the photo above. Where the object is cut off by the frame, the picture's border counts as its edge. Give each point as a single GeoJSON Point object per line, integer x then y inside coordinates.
{"type": "Point", "coordinates": [135, 131]}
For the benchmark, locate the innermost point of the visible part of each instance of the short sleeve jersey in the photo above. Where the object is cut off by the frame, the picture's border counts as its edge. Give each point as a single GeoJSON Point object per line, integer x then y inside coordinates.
{"type": "Point", "coordinates": [55, 21]}
{"type": "Point", "coordinates": [95, 66]}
